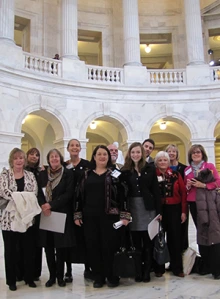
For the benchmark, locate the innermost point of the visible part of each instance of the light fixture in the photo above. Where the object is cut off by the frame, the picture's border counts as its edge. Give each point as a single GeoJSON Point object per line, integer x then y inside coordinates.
{"type": "Point", "coordinates": [163, 125]}
{"type": "Point", "coordinates": [216, 38]}
{"type": "Point", "coordinates": [212, 62]}
{"type": "Point", "coordinates": [210, 51]}
{"type": "Point", "coordinates": [93, 125]}
{"type": "Point", "coordinates": [147, 49]}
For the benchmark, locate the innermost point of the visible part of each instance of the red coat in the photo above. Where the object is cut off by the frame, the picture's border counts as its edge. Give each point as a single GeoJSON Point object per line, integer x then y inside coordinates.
{"type": "Point", "coordinates": [172, 188]}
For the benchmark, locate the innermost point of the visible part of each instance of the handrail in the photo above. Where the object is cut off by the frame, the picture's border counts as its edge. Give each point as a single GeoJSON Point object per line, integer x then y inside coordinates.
{"type": "Point", "coordinates": [42, 64]}
{"type": "Point", "coordinates": [105, 74]}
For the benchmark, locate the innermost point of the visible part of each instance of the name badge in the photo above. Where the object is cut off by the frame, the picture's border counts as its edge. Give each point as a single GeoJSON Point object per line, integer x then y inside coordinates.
{"type": "Point", "coordinates": [188, 171]}
{"type": "Point", "coordinates": [115, 173]}
{"type": "Point", "coordinates": [160, 179]}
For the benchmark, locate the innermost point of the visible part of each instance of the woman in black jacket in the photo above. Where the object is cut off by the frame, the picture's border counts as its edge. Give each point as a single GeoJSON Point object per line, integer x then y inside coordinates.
{"type": "Point", "coordinates": [59, 195]}
{"type": "Point", "coordinates": [101, 202]}
{"type": "Point", "coordinates": [144, 202]}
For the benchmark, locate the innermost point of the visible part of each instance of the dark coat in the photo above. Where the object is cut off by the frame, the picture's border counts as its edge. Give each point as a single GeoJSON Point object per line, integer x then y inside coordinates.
{"type": "Point", "coordinates": [149, 187]}
{"type": "Point", "coordinates": [180, 168]}
{"type": "Point", "coordinates": [208, 211]}
{"type": "Point", "coordinates": [115, 196]}
{"type": "Point", "coordinates": [62, 201]}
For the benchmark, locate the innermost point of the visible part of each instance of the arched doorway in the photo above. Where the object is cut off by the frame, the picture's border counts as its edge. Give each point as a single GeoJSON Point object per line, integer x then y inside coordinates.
{"type": "Point", "coordinates": [107, 131]}
{"type": "Point", "coordinates": [171, 130]}
{"type": "Point", "coordinates": [43, 130]}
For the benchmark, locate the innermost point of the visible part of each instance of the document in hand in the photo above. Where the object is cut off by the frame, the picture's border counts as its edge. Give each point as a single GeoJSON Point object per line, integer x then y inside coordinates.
{"type": "Point", "coordinates": [153, 227]}
{"type": "Point", "coordinates": [55, 222]}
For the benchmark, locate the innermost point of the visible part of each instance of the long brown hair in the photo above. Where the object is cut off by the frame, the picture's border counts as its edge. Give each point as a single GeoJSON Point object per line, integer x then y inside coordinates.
{"type": "Point", "coordinates": [129, 164]}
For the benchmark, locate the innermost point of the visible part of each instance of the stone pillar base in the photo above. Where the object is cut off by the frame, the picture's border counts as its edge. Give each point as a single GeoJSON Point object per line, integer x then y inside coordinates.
{"type": "Point", "coordinates": [10, 54]}
{"type": "Point", "coordinates": [198, 74]}
{"type": "Point", "coordinates": [74, 70]}
{"type": "Point", "coordinates": [135, 75]}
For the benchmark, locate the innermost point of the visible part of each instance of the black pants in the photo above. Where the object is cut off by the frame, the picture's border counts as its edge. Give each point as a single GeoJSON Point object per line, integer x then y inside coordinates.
{"type": "Point", "coordinates": [171, 222]}
{"type": "Point", "coordinates": [26, 241]}
{"type": "Point", "coordinates": [55, 258]}
{"type": "Point", "coordinates": [193, 211]}
{"type": "Point", "coordinates": [102, 241]}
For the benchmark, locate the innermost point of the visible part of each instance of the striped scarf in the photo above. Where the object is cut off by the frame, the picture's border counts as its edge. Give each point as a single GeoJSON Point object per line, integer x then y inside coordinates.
{"type": "Point", "coordinates": [54, 177]}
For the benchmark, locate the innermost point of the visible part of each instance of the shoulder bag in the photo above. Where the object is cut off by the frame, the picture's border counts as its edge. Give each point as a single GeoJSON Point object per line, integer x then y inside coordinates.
{"type": "Point", "coordinates": [161, 252]}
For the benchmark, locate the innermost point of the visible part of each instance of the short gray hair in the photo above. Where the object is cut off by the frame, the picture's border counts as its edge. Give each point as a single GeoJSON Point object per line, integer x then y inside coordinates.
{"type": "Point", "coordinates": [161, 154]}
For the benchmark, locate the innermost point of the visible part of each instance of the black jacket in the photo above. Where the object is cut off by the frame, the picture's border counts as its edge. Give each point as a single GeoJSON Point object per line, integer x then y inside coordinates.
{"type": "Point", "coordinates": [115, 196]}
{"type": "Point", "coordinates": [62, 201]}
{"type": "Point", "coordinates": [148, 185]}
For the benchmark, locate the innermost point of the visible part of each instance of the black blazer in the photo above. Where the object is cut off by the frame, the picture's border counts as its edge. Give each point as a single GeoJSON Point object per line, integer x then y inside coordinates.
{"type": "Point", "coordinates": [62, 201]}
{"type": "Point", "coordinates": [180, 168]}
{"type": "Point", "coordinates": [149, 187]}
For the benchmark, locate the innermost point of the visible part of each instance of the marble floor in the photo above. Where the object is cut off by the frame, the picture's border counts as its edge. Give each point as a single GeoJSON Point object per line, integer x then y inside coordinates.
{"type": "Point", "coordinates": [167, 287]}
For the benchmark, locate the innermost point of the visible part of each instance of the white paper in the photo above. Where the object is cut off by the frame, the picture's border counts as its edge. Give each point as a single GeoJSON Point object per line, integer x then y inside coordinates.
{"type": "Point", "coordinates": [153, 227]}
{"type": "Point", "coordinates": [55, 222]}
{"type": "Point", "coordinates": [118, 224]}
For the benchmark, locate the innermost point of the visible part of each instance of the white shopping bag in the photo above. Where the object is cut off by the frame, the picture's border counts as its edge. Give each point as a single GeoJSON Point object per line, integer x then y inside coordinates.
{"type": "Point", "coordinates": [189, 257]}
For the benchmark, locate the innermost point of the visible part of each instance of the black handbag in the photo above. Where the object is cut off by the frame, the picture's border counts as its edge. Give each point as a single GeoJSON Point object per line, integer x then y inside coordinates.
{"type": "Point", "coordinates": [161, 252]}
{"type": "Point", "coordinates": [127, 262]}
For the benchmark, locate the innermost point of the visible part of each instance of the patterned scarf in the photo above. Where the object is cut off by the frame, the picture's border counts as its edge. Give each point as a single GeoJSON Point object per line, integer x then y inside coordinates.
{"type": "Point", "coordinates": [196, 167]}
{"type": "Point", "coordinates": [54, 177]}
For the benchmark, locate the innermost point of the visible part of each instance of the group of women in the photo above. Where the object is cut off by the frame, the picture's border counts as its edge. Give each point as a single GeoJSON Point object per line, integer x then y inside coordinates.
{"type": "Point", "coordinates": [93, 196]}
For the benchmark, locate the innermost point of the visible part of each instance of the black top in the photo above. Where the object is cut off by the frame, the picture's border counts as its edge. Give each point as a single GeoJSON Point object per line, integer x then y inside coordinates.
{"type": "Point", "coordinates": [78, 169]}
{"type": "Point", "coordinates": [134, 183]}
{"type": "Point", "coordinates": [148, 184]}
{"type": "Point", "coordinates": [94, 194]}
{"type": "Point", "coordinates": [180, 168]}
{"type": "Point", "coordinates": [20, 184]}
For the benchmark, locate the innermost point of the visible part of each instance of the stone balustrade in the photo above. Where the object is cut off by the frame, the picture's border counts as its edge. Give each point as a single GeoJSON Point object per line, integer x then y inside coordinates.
{"type": "Point", "coordinates": [42, 65]}
{"type": "Point", "coordinates": [109, 75]}
{"type": "Point", "coordinates": [105, 74]}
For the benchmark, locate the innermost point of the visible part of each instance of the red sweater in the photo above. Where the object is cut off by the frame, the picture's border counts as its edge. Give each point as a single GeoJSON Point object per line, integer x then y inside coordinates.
{"type": "Point", "coordinates": [172, 188]}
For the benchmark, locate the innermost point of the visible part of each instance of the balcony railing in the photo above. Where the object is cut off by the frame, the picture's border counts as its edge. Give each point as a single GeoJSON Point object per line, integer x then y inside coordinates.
{"type": "Point", "coordinates": [43, 65]}
{"type": "Point", "coordinates": [167, 77]}
{"type": "Point", "coordinates": [112, 76]}
{"type": "Point", "coordinates": [105, 74]}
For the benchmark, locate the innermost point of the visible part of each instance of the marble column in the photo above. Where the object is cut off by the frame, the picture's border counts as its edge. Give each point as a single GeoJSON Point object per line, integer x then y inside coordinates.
{"type": "Point", "coordinates": [69, 29]}
{"type": "Point", "coordinates": [209, 146]}
{"type": "Point", "coordinates": [7, 20]}
{"type": "Point", "coordinates": [131, 33]}
{"type": "Point", "coordinates": [194, 35]}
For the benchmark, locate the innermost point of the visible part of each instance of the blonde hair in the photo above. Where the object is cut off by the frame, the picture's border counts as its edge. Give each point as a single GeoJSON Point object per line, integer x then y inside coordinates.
{"type": "Point", "coordinates": [12, 155]}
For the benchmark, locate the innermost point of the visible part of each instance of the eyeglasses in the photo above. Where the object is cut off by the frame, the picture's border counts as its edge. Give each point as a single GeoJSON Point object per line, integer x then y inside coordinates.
{"type": "Point", "coordinates": [196, 152]}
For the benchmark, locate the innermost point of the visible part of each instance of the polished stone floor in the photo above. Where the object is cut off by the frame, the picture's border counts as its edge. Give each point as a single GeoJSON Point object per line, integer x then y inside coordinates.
{"type": "Point", "coordinates": [167, 287]}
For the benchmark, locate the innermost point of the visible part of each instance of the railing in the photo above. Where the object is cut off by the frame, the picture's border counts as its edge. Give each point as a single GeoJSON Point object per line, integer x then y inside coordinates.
{"type": "Point", "coordinates": [215, 74]}
{"type": "Point", "coordinates": [108, 75]}
{"type": "Point", "coordinates": [105, 74]}
{"type": "Point", "coordinates": [42, 65]}
{"type": "Point", "coordinates": [167, 77]}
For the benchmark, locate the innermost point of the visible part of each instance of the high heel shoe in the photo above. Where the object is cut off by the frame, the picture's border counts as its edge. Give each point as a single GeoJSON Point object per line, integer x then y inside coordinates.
{"type": "Point", "coordinates": [12, 287]}
{"type": "Point", "coordinates": [50, 282]}
{"type": "Point", "coordinates": [31, 284]}
{"type": "Point", "coordinates": [61, 283]}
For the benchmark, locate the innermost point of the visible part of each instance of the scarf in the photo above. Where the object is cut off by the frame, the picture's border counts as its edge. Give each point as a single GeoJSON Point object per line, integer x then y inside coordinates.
{"type": "Point", "coordinates": [196, 167]}
{"type": "Point", "coordinates": [54, 177]}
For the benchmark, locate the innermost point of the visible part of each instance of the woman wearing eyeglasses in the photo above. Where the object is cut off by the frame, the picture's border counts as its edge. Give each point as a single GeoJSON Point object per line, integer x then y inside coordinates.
{"type": "Point", "coordinates": [201, 179]}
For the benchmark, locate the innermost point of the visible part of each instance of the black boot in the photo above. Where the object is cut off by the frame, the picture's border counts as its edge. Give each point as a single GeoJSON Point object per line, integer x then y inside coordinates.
{"type": "Point", "coordinates": [147, 265]}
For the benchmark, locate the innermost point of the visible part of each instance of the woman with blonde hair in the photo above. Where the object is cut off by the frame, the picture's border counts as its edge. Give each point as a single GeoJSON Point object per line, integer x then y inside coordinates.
{"type": "Point", "coordinates": [175, 165]}
{"type": "Point", "coordinates": [144, 202]}
{"type": "Point", "coordinates": [13, 181]}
